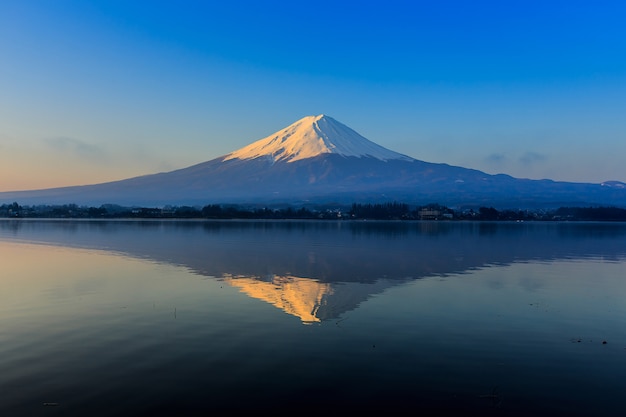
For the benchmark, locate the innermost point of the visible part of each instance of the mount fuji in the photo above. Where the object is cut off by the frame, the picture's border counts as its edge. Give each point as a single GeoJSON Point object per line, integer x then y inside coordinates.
{"type": "Point", "coordinates": [318, 160]}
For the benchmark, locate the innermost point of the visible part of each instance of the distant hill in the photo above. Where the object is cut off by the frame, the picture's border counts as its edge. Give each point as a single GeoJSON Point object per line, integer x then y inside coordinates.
{"type": "Point", "coordinates": [318, 160]}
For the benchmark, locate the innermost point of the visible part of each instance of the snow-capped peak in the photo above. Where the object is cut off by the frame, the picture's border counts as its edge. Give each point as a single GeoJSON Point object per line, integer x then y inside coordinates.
{"type": "Point", "coordinates": [312, 136]}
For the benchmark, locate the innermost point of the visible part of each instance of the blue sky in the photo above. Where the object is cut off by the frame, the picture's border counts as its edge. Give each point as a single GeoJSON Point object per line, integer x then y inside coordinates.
{"type": "Point", "coordinates": [93, 91]}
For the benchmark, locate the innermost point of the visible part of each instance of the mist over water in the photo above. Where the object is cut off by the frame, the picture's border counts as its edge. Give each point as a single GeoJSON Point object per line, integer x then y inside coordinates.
{"type": "Point", "coordinates": [192, 317]}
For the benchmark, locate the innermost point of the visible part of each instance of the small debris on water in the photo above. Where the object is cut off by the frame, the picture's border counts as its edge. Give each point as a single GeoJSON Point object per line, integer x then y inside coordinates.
{"type": "Point", "coordinates": [604, 342]}
{"type": "Point", "coordinates": [496, 399]}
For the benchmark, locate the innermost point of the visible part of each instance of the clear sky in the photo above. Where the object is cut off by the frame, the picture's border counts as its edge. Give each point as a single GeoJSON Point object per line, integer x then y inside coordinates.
{"type": "Point", "coordinates": [94, 91]}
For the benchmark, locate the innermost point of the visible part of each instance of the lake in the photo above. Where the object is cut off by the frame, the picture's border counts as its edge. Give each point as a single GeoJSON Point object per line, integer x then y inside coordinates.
{"type": "Point", "coordinates": [198, 318]}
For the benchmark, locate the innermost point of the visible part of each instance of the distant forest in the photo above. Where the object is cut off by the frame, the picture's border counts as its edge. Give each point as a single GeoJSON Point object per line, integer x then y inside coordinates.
{"type": "Point", "coordinates": [385, 211]}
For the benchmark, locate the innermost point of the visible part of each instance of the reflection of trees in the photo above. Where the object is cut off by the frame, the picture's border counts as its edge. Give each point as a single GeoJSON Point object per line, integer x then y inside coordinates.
{"type": "Point", "coordinates": [592, 230]}
{"type": "Point", "coordinates": [333, 251]}
{"type": "Point", "coordinates": [487, 229]}
{"type": "Point", "coordinates": [11, 226]}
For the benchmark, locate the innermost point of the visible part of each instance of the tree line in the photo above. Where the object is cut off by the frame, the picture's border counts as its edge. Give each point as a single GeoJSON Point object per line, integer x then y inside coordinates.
{"type": "Point", "coordinates": [382, 211]}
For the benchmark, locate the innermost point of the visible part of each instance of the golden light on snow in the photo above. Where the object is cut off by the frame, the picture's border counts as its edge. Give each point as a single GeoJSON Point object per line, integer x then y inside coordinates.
{"type": "Point", "coordinates": [312, 136]}
{"type": "Point", "coordinates": [300, 297]}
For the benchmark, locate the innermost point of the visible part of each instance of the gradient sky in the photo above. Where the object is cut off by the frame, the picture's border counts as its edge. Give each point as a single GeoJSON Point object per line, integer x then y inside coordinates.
{"type": "Point", "coordinates": [94, 91]}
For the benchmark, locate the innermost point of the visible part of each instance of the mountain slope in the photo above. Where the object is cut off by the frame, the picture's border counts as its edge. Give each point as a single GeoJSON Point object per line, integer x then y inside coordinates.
{"type": "Point", "coordinates": [319, 160]}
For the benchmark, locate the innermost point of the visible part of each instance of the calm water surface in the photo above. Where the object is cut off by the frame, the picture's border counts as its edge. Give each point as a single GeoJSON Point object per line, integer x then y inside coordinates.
{"type": "Point", "coordinates": [129, 318]}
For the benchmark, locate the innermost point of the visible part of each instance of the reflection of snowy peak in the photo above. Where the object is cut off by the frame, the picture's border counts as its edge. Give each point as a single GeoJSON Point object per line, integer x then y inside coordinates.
{"type": "Point", "coordinates": [312, 136]}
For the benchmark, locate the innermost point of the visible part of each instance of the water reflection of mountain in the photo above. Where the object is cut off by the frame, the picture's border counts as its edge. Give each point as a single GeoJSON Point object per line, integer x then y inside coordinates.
{"type": "Point", "coordinates": [308, 299]}
{"type": "Point", "coordinates": [318, 270]}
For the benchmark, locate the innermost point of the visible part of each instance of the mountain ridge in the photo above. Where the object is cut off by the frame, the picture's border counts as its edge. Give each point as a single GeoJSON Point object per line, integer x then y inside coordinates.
{"type": "Point", "coordinates": [319, 160]}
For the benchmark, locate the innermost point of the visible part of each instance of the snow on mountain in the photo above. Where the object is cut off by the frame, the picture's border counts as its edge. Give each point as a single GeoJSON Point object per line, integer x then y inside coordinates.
{"type": "Point", "coordinates": [318, 160]}
{"type": "Point", "coordinates": [312, 136]}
